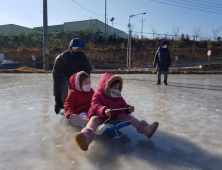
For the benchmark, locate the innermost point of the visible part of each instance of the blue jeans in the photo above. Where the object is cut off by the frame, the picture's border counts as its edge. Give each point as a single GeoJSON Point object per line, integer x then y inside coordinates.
{"type": "Point", "coordinates": [165, 73]}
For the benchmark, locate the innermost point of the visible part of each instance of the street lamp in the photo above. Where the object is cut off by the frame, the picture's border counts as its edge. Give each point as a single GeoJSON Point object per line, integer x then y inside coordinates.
{"type": "Point", "coordinates": [128, 60]}
{"type": "Point", "coordinates": [112, 23]}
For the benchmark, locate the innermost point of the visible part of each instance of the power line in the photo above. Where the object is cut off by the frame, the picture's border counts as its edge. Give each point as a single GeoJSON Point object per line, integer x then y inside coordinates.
{"type": "Point", "coordinates": [121, 10]}
{"type": "Point", "coordinates": [117, 21]}
{"type": "Point", "coordinates": [116, 17]}
{"type": "Point", "coordinates": [124, 7]}
{"type": "Point", "coordinates": [118, 7]}
{"type": "Point", "coordinates": [34, 5]}
{"type": "Point", "coordinates": [86, 9]}
{"type": "Point", "coordinates": [207, 4]}
{"type": "Point", "coordinates": [94, 4]}
{"type": "Point", "coordinates": [22, 6]}
{"type": "Point", "coordinates": [121, 24]}
{"type": "Point", "coordinates": [195, 5]}
{"type": "Point", "coordinates": [184, 7]}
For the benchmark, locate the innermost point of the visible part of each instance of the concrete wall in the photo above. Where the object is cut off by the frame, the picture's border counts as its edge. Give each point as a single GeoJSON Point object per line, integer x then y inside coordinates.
{"type": "Point", "coordinates": [110, 30]}
{"type": "Point", "coordinates": [77, 26]}
{"type": "Point", "coordinates": [11, 29]}
{"type": "Point", "coordinates": [52, 28]}
{"type": "Point", "coordinates": [93, 25]}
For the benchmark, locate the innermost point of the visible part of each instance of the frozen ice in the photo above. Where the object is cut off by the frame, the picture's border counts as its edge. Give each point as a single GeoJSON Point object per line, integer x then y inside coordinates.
{"type": "Point", "coordinates": [189, 136]}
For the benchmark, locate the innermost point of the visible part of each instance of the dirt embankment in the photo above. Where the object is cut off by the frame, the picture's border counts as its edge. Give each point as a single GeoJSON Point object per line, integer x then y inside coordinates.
{"type": "Point", "coordinates": [102, 52]}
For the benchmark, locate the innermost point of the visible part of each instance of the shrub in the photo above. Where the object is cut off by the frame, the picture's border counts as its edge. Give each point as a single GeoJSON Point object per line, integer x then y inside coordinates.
{"type": "Point", "coordinates": [90, 44]}
{"type": "Point", "coordinates": [109, 49]}
{"type": "Point", "coordinates": [122, 45]}
{"type": "Point", "coordinates": [21, 49]}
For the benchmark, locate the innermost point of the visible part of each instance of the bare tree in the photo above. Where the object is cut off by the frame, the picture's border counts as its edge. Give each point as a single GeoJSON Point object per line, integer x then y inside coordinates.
{"type": "Point", "coordinates": [153, 30]}
{"type": "Point", "coordinates": [205, 37]}
{"type": "Point", "coordinates": [175, 32]}
{"type": "Point", "coordinates": [165, 36]}
{"type": "Point", "coordinates": [197, 32]}
{"type": "Point", "coordinates": [136, 36]}
{"type": "Point", "coordinates": [157, 35]}
{"type": "Point", "coordinates": [215, 33]}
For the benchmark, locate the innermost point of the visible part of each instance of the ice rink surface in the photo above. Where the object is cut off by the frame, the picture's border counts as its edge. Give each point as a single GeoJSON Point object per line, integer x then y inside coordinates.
{"type": "Point", "coordinates": [189, 110]}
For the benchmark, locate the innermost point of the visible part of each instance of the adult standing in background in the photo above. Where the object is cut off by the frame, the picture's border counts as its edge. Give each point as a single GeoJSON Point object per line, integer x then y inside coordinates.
{"type": "Point", "coordinates": [162, 62]}
{"type": "Point", "coordinates": [66, 64]}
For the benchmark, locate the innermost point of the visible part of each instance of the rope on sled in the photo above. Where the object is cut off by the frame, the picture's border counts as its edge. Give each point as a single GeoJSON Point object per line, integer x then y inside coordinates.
{"type": "Point", "coordinates": [117, 135]}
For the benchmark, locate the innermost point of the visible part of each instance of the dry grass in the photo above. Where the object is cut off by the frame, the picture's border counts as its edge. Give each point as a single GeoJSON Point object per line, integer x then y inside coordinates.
{"type": "Point", "coordinates": [24, 70]}
{"type": "Point", "coordinates": [111, 54]}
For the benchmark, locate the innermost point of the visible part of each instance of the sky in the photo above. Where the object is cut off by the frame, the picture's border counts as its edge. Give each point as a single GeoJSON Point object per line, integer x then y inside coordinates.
{"type": "Point", "coordinates": [162, 15]}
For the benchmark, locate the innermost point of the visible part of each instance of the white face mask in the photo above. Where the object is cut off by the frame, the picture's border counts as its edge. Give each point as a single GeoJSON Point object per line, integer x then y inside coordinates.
{"type": "Point", "coordinates": [164, 46]}
{"type": "Point", "coordinates": [86, 87]}
{"type": "Point", "coordinates": [115, 93]}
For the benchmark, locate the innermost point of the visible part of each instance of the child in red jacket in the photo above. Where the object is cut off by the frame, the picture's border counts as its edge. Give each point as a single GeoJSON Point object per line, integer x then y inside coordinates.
{"type": "Point", "coordinates": [106, 98]}
{"type": "Point", "coordinates": [79, 99]}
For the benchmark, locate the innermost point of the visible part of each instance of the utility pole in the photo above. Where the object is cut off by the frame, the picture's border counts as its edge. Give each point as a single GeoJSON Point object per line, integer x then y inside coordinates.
{"type": "Point", "coordinates": [130, 50]}
{"type": "Point", "coordinates": [45, 37]}
{"type": "Point", "coordinates": [129, 41]}
{"type": "Point", "coordinates": [127, 53]}
{"type": "Point", "coordinates": [142, 28]}
{"type": "Point", "coordinates": [107, 29]}
{"type": "Point", "coordinates": [105, 18]}
{"type": "Point", "coordinates": [92, 29]}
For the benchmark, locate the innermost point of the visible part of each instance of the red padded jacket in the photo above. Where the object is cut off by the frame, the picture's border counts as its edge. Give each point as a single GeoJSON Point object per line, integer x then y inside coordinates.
{"type": "Point", "coordinates": [77, 100]}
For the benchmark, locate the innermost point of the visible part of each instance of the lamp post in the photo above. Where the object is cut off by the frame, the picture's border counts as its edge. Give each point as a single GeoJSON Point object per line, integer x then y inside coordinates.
{"type": "Point", "coordinates": [142, 28]}
{"type": "Point", "coordinates": [45, 37]}
{"type": "Point", "coordinates": [112, 23]}
{"type": "Point", "coordinates": [92, 29]}
{"type": "Point", "coordinates": [105, 18]}
{"type": "Point", "coordinates": [128, 59]}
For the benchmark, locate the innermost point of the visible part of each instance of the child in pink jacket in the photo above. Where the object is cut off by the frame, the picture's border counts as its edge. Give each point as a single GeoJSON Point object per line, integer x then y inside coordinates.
{"type": "Point", "coordinates": [108, 97]}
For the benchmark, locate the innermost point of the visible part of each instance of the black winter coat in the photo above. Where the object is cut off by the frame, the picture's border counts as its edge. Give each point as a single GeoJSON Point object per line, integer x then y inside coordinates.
{"type": "Point", "coordinates": [162, 59]}
{"type": "Point", "coordinates": [67, 64]}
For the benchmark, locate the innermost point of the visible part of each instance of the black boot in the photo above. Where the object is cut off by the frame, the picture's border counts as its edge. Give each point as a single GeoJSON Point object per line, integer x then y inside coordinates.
{"type": "Point", "coordinates": [165, 82]}
{"type": "Point", "coordinates": [158, 82]}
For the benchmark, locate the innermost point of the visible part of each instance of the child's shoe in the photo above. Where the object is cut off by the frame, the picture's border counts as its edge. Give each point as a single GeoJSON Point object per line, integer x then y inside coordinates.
{"type": "Point", "coordinates": [158, 82]}
{"type": "Point", "coordinates": [101, 128]}
{"type": "Point", "coordinates": [146, 129]}
{"type": "Point", "coordinates": [78, 120]}
{"type": "Point", "coordinates": [165, 82]}
{"type": "Point", "coordinates": [84, 138]}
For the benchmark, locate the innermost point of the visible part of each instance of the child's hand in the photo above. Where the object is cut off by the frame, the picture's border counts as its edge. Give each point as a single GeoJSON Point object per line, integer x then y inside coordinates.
{"type": "Point", "coordinates": [107, 112]}
{"type": "Point", "coordinates": [131, 109]}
